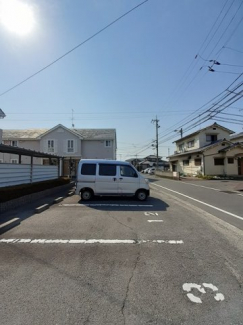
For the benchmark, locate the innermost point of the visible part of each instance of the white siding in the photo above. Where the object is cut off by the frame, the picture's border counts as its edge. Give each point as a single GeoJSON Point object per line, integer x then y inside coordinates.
{"type": "Point", "coordinates": [97, 150]}
{"type": "Point", "coordinates": [221, 134]}
{"type": "Point", "coordinates": [60, 137]}
{"type": "Point", "coordinates": [15, 174]}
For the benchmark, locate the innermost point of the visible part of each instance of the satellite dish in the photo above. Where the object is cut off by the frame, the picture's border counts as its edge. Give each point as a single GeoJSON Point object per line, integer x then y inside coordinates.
{"type": "Point", "coordinates": [2, 115]}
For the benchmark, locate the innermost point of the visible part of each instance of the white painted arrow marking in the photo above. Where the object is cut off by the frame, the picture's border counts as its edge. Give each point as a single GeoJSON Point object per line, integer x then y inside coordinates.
{"type": "Point", "coordinates": [189, 286]}
{"type": "Point", "coordinates": [151, 213]}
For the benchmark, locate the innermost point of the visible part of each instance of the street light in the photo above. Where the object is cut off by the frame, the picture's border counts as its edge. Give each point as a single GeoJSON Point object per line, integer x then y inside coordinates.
{"type": "Point", "coordinates": [2, 114]}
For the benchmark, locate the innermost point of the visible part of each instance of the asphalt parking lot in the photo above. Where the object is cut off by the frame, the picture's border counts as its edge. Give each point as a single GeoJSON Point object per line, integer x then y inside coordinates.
{"type": "Point", "coordinates": [121, 261]}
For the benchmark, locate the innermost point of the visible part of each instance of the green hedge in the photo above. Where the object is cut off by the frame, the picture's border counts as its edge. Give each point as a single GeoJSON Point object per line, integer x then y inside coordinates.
{"type": "Point", "coordinates": [14, 192]}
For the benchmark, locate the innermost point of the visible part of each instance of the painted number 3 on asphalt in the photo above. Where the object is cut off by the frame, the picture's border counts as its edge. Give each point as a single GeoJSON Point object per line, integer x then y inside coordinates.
{"type": "Point", "coordinates": [188, 287]}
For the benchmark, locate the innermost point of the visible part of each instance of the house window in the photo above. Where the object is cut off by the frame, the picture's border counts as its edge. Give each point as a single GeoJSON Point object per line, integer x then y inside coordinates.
{"type": "Point", "coordinates": [181, 147]}
{"type": "Point", "coordinates": [211, 137]}
{"type": "Point", "coordinates": [14, 161]}
{"type": "Point", "coordinates": [70, 145]}
{"type": "Point", "coordinates": [190, 144]}
{"type": "Point", "coordinates": [50, 145]}
{"type": "Point", "coordinates": [230, 160]}
{"type": "Point", "coordinates": [198, 162]}
{"type": "Point", "coordinates": [107, 143]}
{"type": "Point", "coordinates": [219, 161]}
{"type": "Point", "coordinates": [186, 162]}
{"type": "Point", "coordinates": [14, 143]}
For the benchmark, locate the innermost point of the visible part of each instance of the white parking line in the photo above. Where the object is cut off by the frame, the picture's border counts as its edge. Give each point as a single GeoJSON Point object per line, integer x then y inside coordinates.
{"type": "Point", "coordinates": [155, 220]}
{"type": "Point", "coordinates": [88, 241]}
{"type": "Point", "coordinates": [204, 203]}
{"type": "Point", "coordinates": [104, 205]}
{"type": "Point", "coordinates": [211, 188]}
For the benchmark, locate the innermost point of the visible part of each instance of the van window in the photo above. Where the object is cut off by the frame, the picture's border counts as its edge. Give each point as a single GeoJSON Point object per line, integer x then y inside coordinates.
{"type": "Point", "coordinates": [107, 170]}
{"type": "Point", "coordinates": [127, 171]}
{"type": "Point", "coordinates": [88, 169]}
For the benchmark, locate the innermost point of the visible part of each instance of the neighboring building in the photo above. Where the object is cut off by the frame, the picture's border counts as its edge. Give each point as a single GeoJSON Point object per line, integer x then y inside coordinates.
{"type": "Point", "coordinates": [134, 161]}
{"type": "Point", "coordinates": [72, 144]}
{"type": "Point", "coordinates": [237, 137]}
{"type": "Point", "coordinates": [151, 161]}
{"type": "Point", "coordinates": [208, 152]}
{"type": "Point", "coordinates": [1, 135]}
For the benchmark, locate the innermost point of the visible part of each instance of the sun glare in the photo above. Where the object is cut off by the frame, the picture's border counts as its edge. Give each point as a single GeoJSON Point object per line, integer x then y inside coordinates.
{"type": "Point", "coordinates": [16, 16]}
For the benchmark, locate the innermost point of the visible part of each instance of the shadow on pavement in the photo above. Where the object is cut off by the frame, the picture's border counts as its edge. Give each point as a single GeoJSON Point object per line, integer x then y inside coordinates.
{"type": "Point", "coordinates": [125, 204]}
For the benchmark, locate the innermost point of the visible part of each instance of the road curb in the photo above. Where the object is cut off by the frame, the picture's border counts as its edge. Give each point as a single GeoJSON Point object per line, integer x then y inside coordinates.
{"type": "Point", "coordinates": [57, 200]}
{"type": "Point", "coordinates": [9, 224]}
{"type": "Point", "coordinates": [42, 208]}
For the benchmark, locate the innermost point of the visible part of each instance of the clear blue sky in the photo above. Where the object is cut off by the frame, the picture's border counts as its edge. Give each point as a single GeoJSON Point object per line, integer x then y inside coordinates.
{"type": "Point", "coordinates": [141, 67]}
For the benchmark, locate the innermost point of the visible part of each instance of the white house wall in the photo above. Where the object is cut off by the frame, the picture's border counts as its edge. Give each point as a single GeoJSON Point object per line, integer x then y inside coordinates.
{"type": "Point", "coordinates": [191, 169]}
{"type": "Point", "coordinates": [60, 137]}
{"type": "Point", "coordinates": [97, 150]}
{"type": "Point", "coordinates": [221, 134]}
{"type": "Point", "coordinates": [237, 139]}
{"type": "Point", "coordinates": [232, 169]}
{"type": "Point", "coordinates": [185, 142]}
{"type": "Point", "coordinates": [227, 169]}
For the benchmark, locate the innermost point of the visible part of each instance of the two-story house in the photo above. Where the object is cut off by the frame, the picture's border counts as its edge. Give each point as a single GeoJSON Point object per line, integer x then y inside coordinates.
{"type": "Point", "coordinates": [208, 151]}
{"type": "Point", "coordinates": [72, 144]}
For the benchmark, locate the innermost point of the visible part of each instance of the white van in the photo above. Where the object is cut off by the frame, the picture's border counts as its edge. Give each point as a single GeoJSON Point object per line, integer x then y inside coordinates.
{"type": "Point", "coordinates": [110, 177]}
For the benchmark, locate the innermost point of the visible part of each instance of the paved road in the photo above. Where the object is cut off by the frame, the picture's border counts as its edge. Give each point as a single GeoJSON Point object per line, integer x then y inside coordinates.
{"type": "Point", "coordinates": [170, 263]}
{"type": "Point", "coordinates": [217, 197]}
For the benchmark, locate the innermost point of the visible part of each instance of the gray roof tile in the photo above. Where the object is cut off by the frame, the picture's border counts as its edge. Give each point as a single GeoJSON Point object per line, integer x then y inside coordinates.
{"type": "Point", "coordinates": [22, 134]}
{"type": "Point", "coordinates": [86, 134]}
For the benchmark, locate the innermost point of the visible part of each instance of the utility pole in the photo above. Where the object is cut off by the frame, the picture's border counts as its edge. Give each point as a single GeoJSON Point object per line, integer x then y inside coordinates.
{"type": "Point", "coordinates": [2, 114]}
{"type": "Point", "coordinates": [156, 122]}
{"type": "Point", "coordinates": [72, 119]}
{"type": "Point", "coordinates": [180, 131]}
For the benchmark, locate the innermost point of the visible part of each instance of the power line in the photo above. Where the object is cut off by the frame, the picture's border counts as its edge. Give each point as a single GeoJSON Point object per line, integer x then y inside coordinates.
{"type": "Point", "coordinates": [226, 28]}
{"type": "Point", "coordinates": [230, 122]}
{"type": "Point", "coordinates": [193, 62]}
{"type": "Point", "coordinates": [219, 24]}
{"type": "Point", "coordinates": [74, 48]}
{"type": "Point", "coordinates": [230, 48]}
{"type": "Point", "coordinates": [211, 113]}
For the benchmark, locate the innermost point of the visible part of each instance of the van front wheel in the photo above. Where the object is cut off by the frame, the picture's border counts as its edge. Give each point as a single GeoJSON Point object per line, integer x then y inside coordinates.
{"type": "Point", "coordinates": [86, 195]}
{"type": "Point", "coordinates": [141, 195]}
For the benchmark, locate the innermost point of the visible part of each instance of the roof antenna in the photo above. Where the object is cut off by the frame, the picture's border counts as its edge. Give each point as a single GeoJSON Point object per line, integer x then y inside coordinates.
{"type": "Point", "coordinates": [72, 119]}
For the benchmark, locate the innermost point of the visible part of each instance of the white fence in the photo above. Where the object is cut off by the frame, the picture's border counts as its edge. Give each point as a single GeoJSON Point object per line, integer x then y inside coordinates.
{"type": "Point", "coordinates": [16, 174]}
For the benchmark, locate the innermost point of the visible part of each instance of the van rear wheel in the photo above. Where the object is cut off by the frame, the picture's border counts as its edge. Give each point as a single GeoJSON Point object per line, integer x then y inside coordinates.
{"type": "Point", "coordinates": [86, 195]}
{"type": "Point", "coordinates": [141, 195]}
